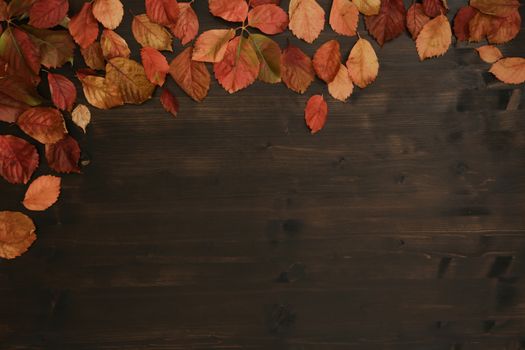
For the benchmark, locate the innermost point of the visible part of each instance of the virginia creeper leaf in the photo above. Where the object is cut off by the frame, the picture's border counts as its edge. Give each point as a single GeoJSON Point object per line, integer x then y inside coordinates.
{"type": "Point", "coordinates": [20, 54]}
{"type": "Point", "coordinates": [99, 93]}
{"type": "Point", "coordinates": [56, 46]}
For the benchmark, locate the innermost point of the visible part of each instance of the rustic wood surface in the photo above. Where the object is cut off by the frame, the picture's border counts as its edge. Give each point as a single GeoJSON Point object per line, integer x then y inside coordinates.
{"type": "Point", "coordinates": [401, 225]}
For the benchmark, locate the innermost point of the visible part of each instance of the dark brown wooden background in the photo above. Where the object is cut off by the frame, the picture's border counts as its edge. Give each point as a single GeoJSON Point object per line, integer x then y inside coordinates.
{"type": "Point", "coordinates": [401, 225]}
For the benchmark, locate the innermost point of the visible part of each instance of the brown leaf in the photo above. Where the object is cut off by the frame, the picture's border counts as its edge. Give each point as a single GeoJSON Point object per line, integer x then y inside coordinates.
{"type": "Point", "coordinates": [341, 87]}
{"type": "Point", "coordinates": [368, 7]}
{"type": "Point", "coordinates": [148, 33]}
{"type": "Point", "coordinates": [489, 53]}
{"type": "Point", "coordinates": [20, 54]}
{"type": "Point", "coordinates": [297, 70]}
{"type": "Point", "coordinates": [163, 12]}
{"type": "Point", "coordinates": [255, 3]}
{"type": "Point", "coordinates": [48, 13]}
{"type": "Point", "coordinates": [435, 38]}
{"type": "Point", "coordinates": [269, 19]}
{"type": "Point", "coordinates": [63, 156]}
{"type": "Point", "coordinates": [362, 63]}
{"type": "Point", "coordinates": [389, 23]}
{"type": "Point", "coordinates": [63, 91]}
{"type": "Point", "coordinates": [42, 193]}
{"type": "Point", "coordinates": [108, 12]}
{"type": "Point", "coordinates": [46, 125]}
{"type": "Point", "coordinates": [480, 26]}
{"type": "Point", "coordinates": [3, 11]}
{"type": "Point", "coordinates": [99, 93]}
{"type": "Point", "coordinates": [211, 45]}
{"type": "Point", "coordinates": [93, 56]}
{"type": "Point", "coordinates": [18, 159]}
{"type": "Point", "coordinates": [19, 8]}
{"type": "Point", "coordinates": [416, 19]}
{"type": "Point", "coordinates": [187, 26]}
{"type": "Point", "coordinates": [500, 8]}
{"type": "Point", "coordinates": [230, 10]}
{"type": "Point", "coordinates": [84, 26]}
{"type": "Point", "coordinates": [434, 8]}
{"type": "Point", "coordinates": [461, 22]}
{"type": "Point", "coordinates": [113, 45]}
{"type": "Point", "coordinates": [306, 19]}
{"type": "Point", "coordinates": [16, 96]}
{"type": "Point", "coordinates": [169, 102]}
{"type": "Point", "coordinates": [315, 113]}
{"type": "Point", "coordinates": [81, 116]}
{"type": "Point", "coordinates": [344, 17]}
{"type": "Point", "coordinates": [269, 54]}
{"type": "Point", "coordinates": [130, 79]}
{"type": "Point", "coordinates": [155, 65]}
{"type": "Point", "coordinates": [56, 46]}
{"type": "Point", "coordinates": [192, 76]}
{"type": "Point", "coordinates": [327, 60]}
{"type": "Point", "coordinates": [509, 70]}
{"type": "Point", "coordinates": [17, 233]}
{"type": "Point", "coordinates": [504, 29]}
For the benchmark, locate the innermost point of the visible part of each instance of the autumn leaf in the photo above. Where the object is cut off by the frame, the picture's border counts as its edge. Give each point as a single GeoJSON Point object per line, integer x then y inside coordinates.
{"type": "Point", "coordinates": [150, 34]}
{"type": "Point", "coordinates": [479, 26]}
{"type": "Point", "coordinates": [113, 45]}
{"type": "Point", "coordinates": [163, 12]}
{"type": "Point", "coordinates": [155, 65]}
{"type": "Point", "coordinates": [344, 17]}
{"type": "Point", "coordinates": [230, 10]}
{"type": "Point", "coordinates": [20, 54]}
{"type": "Point", "coordinates": [18, 159]}
{"type": "Point", "coordinates": [269, 54]}
{"type": "Point", "coordinates": [362, 63]}
{"type": "Point", "coordinates": [297, 70]}
{"type": "Point", "coordinates": [315, 113]}
{"type": "Point", "coordinates": [63, 91]}
{"type": "Point", "coordinates": [81, 116]}
{"type": "Point", "coordinates": [56, 47]}
{"type": "Point", "coordinates": [434, 8]}
{"type": "Point", "coordinates": [84, 26]}
{"type": "Point", "coordinates": [42, 193]}
{"type": "Point", "coordinates": [509, 70]}
{"type": "Point", "coordinates": [211, 45]}
{"type": "Point", "coordinates": [306, 19]}
{"type": "Point", "coordinates": [341, 87]}
{"type": "Point", "coordinates": [63, 156]}
{"type": "Point", "coordinates": [368, 7]}
{"type": "Point", "coordinates": [255, 3]}
{"type": "Point", "coordinates": [489, 53]}
{"type": "Point", "coordinates": [239, 67]}
{"type": "Point", "coordinates": [130, 79]}
{"type": "Point", "coordinates": [435, 38]}
{"type": "Point", "coordinates": [416, 19]}
{"type": "Point", "coordinates": [16, 96]}
{"type": "Point", "coordinates": [48, 13]}
{"type": "Point", "coordinates": [389, 23]}
{"type": "Point", "coordinates": [269, 19]}
{"type": "Point", "coordinates": [192, 76]}
{"type": "Point", "coordinates": [19, 8]}
{"type": "Point", "coordinates": [500, 8]}
{"type": "Point", "coordinates": [327, 60]}
{"type": "Point", "coordinates": [44, 124]}
{"type": "Point", "coordinates": [187, 25]}
{"type": "Point", "coordinates": [461, 22]}
{"type": "Point", "coordinates": [93, 56]}
{"type": "Point", "coordinates": [3, 11]}
{"type": "Point", "coordinates": [504, 29]}
{"type": "Point", "coordinates": [108, 12]}
{"type": "Point", "coordinates": [17, 233]}
{"type": "Point", "coordinates": [99, 93]}
{"type": "Point", "coordinates": [169, 102]}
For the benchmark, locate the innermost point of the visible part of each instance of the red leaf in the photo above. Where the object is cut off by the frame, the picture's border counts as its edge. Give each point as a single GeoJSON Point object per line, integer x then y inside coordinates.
{"type": "Point", "coordinates": [155, 65]}
{"type": "Point", "coordinates": [46, 125]}
{"type": "Point", "coordinates": [20, 54]}
{"type": "Point", "coordinates": [344, 17]}
{"type": "Point", "coordinates": [63, 91]}
{"type": "Point", "coordinates": [315, 113]}
{"type": "Point", "coordinates": [269, 19]}
{"type": "Point", "coordinates": [18, 159]}
{"type": "Point", "coordinates": [434, 8]}
{"type": "Point", "coordinates": [16, 96]}
{"type": "Point", "coordinates": [64, 155]}
{"type": "Point", "coordinates": [504, 29]}
{"type": "Point", "coordinates": [416, 19]}
{"type": "Point", "coordinates": [230, 10]}
{"type": "Point", "coordinates": [163, 12]}
{"type": "Point", "coordinates": [192, 76]}
{"type": "Point", "coordinates": [389, 23]}
{"type": "Point", "coordinates": [48, 13]}
{"type": "Point", "coordinates": [327, 60]}
{"type": "Point", "coordinates": [3, 11]}
{"type": "Point", "coordinates": [17, 8]}
{"type": "Point", "coordinates": [461, 22]}
{"type": "Point", "coordinates": [169, 102]}
{"type": "Point", "coordinates": [84, 26]}
{"type": "Point", "coordinates": [187, 25]}
{"type": "Point", "coordinates": [297, 71]}
{"type": "Point", "coordinates": [255, 3]}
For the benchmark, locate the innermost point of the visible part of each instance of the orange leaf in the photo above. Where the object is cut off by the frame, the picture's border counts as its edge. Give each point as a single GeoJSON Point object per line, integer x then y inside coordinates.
{"type": "Point", "coordinates": [148, 33]}
{"type": "Point", "coordinates": [113, 45]}
{"type": "Point", "coordinates": [255, 3]}
{"type": "Point", "coordinates": [169, 102]}
{"type": "Point", "coordinates": [479, 26]}
{"type": "Point", "coordinates": [362, 63]}
{"type": "Point", "coordinates": [46, 125]}
{"type": "Point", "coordinates": [500, 8]}
{"type": "Point", "coordinates": [187, 25]}
{"type": "Point", "coordinates": [230, 10]}
{"type": "Point", "coordinates": [18, 159]}
{"type": "Point", "coordinates": [368, 7]}
{"type": "Point", "coordinates": [42, 193]}
{"type": "Point", "coordinates": [435, 38]}
{"type": "Point", "coordinates": [84, 27]}
{"type": "Point", "coordinates": [163, 12]}
{"type": "Point", "coordinates": [63, 91]}
{"type": "Point", "coordinates": [211, 45]}
{"type": "Point", "coordinates": [489, 53]}
{"type": "Point", "coordinates": [416, 19]}
{"type": "Point", "coordinates": [389, 23]}
{"type": "Point", "coordinates": [509, 70]}
{"type": "Point", "coordinates": [93, 56]}
{"type": "Point", "coordinates": [155, 65]}
{"type": "Point", "coordinates": [269, 19]}
{"type": "Point", "coordinates": [240, 66]}
{"type": "Point", "coordinates": [327, 60]}
{"type": "Point", "coordinates": [341, 87]}
{"type": "Point", "coordinates": [461, 22]}
{"type": "Point", "coordinates": [192, 76]}
{"type": "Point", "coordinates": [306, 19]}
{"type": "Point", "coordinates": [108, 12]}
{"type": "Point", "coordinates": [17, 233]}
{"type": "Point", "coordinates": [63, 156]}
{"type": "Point", "coordinates": [315, 113]}
{"type": "Point", "coordinates": [504, 29]}
{"type": "Point", "coordinates": [344, 16]}
{"type": "Point", "coordinates": [48, 13]}
{"type": "Point", "coordinates": [297, 70]}
{"type": "Point", "coordinates": [130, 79]}
{"type": "Point", "coordinates": [99, 93]}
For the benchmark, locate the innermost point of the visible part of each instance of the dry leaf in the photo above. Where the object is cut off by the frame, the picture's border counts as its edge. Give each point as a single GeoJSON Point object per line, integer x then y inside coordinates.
{"type": "Point", "coordinates": [268, 18]}
{"type": "Point", "coordinates": [18, 159]}
{"type": "Point", "coordinates": [17, 233]}
{"type": "Point", "coordinates": [84, 26]}
{"type": "Point", "coordinates": [46, 125]}
{"type": "Point", "coordinates": [269, 54]}
{"type": "Point", "coordinates": [297, 70]}
{"type": "Point", "coordinates": [362, 63]}
{"type": "Point", "coordinates": [47, 13]}
{"type": "Point", "coordinates": [509, 70]}
{"type": "Point", "coordinates": [99, 93]}
{"type": "Point", "coordinates": [165, 12]}
{"type": "Point", "coordinates": [113, 45]}
{"type": "Point", "coordinates": [63, 91]}
{"type": "Point", "coordinates": [81, 116]}
{"type": "Point", "coordinates": [500, 8]}
{"type": "Point", "coordinates": [435, 38]}
{"type": "Point", "coordinates": [169, 102]}
{"type": "Point", "coordinates": [504, 29]}
{"type": "Point", "coordinates": [63, 156]}
{"type": "Point", "coordinates": [368, 7]}
{"type": "Point", "coordinates": [461, 22]}
{"type": "Point", "coordinates": [192, 76]}
{"type": "Point", "coordinates": [93, 56]}
{"type": "Point", "coordinates": [187, 25]}
{"type": "Point", "coordinates": [255, 3]}
{"type": "Point", "coordinates": [155, 65]}
{"type": "Point", "coordinates": [130, 79]}
{"type": "Point", "coordinates": [434, 8]}
{"type": "Point", "coordinates": [20, 55]}
{"type": "Point", "coordinates": [151, 34]}
{"type": "Point", "coordinates": [108, 12]}
{"type": "Point", "coordinates": [489, 53]}
{"type": "Point", "coordinates": [341, 87]}
{"type": "Point", "coordinates": [315, 113]}
{"type": "Point", "coordinates": [42, 193]}
{"type": "Point", "coordinates": [416, 19]}
{"type": "Point", "coordinates": [306, 19]}
{"type": "Point", "coordinates": [344, 16]}
{"type": "Point", "coordinates": [327, 60]}
{"type": "Point", "coordinates": [389, 23]}
{"type": "Point", "coordinates": [230, 10]}
{"type": "Point", "coordinates": [56, 46]}
{"type": "Point", "coordinates": [480, 26]}
{"type": "Point", "coordinates": [211, 45]}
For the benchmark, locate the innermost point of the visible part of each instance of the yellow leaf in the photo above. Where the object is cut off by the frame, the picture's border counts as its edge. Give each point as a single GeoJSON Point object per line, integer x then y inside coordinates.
{"type": "Point", "coordinates": [150, 34]}
{"type": "Point", "coordinates": [368, 7]}
{"type": "Point", "coordinates": [509, 70]}
{"type": "Point", "coordinates": [435, 38]}
{"type": "Point", "coordinates": [362, 63]}
{"type": "Point", "coordinates": [17, 233]}
{"type": "Point", "coordinates": [211, 45]}
{"type": "Point", "coordinates": [81, 116]}
{"type": "Point", "coordinates": [489, 53]}
{"type": "Point", "coordinates": [100, 94]}
{"type": "Point", "coordinates": [341, 87]}
{"type": "Point", "coordinates": [130, 79]}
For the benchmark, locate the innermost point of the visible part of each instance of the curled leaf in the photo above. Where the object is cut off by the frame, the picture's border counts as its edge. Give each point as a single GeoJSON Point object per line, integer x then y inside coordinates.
{"type": "Point", "coordinates": [155, 65]}
{"type": "Point", "coordinates": [315, 113]}
{"type": "Point", "coordinates": [84, 26]}
{"type": "Point", "coordinates": [489, 53]}
{"type": "Point", "coordinates": [17, 233]}
{"type": "Point", "coordinates": [341, 87]}
{"type": "Point", "coordinates": [42, 193]}
{"type": "Point", "coordinates": [46, 125]}
{"type": "Point", "coordinates": [187, 25]}
{"type": "Point", "coordinates": [362, 63]}
{"type": "Point", "coordinates": [63, 156]}
{"type": "Point", "coordinates": [435, 38]}
{"type": "Point", "coordinates": [108, 12]}
{"type": "Point", "coordinates": [306, 19]}
{"type": "Point", "coordinates": [18, 159]}
{"type": "Point", "coordinates": [211, 45]}
{"type": "Point", "coordinates": [148, 33]}
{"type": "Point", "coordinates": [297, 70]}
{"type": "Point", "coordinates": [192, 76]}
{"type": "Point", "coordinates": [230, 10]}
{"type": "Point", "coordinates": [63, 91]}
{"type": "Point", "coordinates": [327, 60]}
{"type": "Point", "coordinates": [113, 45]}
{"type": "Point", "coordinates": [344, 16]}
{"type": "Point", "coordinates": [81, 116]}
{"type": "Point", "coordinates": [509, 70]}
{"type": "Point", "coordinates": [130, 79]}
{"type": "Point", "coordinates": [268, 18]}
{"type": "Point", "coordinates": [169, 102]}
